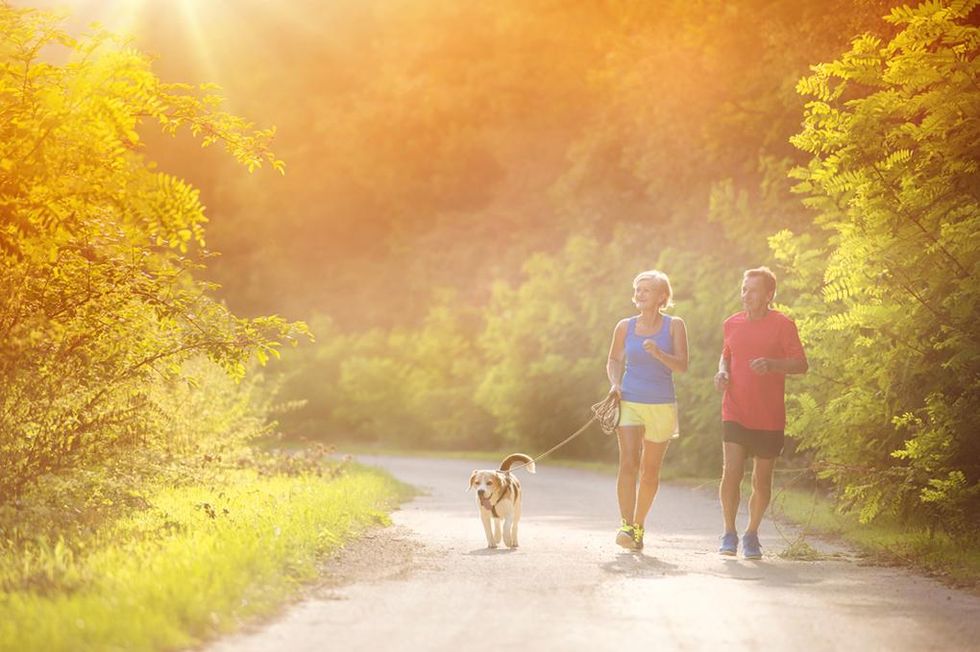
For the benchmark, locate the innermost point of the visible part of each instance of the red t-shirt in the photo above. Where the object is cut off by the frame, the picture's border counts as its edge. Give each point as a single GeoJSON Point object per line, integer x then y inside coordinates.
{"type": "Point", "coordinates": [757, 401]}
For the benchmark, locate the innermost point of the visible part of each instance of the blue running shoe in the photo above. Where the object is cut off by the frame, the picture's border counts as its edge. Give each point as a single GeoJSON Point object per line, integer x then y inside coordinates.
{"type": "Point", "coordinates": [751, 549]}
{"type": "Point", "coordinates": [729, 544]}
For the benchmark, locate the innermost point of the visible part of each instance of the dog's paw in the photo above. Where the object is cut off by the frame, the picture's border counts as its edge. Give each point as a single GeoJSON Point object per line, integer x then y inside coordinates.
{"type": "Point", "coordinates": [492, 546]}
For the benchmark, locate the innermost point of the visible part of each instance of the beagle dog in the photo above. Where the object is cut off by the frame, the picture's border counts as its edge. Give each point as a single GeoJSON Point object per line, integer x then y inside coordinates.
{"type": "Point", "coordinates": [498, 495]}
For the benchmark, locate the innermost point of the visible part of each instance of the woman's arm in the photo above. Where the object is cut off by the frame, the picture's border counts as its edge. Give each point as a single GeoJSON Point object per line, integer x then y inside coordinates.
{"type": "Point", "coordinates": [615, 364]}
{"type": "Point", "coordinates": [676, 361]}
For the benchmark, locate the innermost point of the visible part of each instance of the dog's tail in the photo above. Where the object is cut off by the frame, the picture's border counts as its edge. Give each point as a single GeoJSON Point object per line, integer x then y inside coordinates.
{"type": "Point", "coordinates": [517, 457]}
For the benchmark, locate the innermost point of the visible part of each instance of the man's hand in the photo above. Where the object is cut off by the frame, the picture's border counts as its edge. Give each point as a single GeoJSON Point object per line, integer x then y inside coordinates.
{"type": "Point", "coordinates": [721, 381]}
{"type": "Point", "coordinates": [761, 365]}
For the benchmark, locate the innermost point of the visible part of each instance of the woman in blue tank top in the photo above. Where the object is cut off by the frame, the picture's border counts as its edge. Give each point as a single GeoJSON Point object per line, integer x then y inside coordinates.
{"type": "Point", "coordinates": [646, 351]}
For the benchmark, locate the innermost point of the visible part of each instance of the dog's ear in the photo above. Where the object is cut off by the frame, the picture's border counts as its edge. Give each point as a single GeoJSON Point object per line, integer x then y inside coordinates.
{"type": "Point", "coordinates": [472, 480]}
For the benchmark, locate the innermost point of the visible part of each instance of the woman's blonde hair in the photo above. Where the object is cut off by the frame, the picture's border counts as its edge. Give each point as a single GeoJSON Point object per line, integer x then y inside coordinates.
{"type": "Point", "coordinates": [657, 275]}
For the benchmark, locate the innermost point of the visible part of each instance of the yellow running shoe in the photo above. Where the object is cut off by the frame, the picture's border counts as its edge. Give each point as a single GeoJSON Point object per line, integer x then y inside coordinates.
{"type": "Point", "coordinates": [637, 536]}
{"type": "Point", "coordinates": [625, 536]}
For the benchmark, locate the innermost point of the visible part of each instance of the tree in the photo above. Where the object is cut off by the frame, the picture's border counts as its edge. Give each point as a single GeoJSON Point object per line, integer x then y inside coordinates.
{"type": "Point", "coordinates": [98, 299]}
{"type": "Point", "coordinates": [893, 129]}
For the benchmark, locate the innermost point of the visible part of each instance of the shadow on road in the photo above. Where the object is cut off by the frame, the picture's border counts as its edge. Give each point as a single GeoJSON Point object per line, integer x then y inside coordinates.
{"type": "Point", "coordinates": [483, 552]}
{"type": "Point", "coordinates": [637, 564]}
{"type": "Point", "coordinates": [770, 574]}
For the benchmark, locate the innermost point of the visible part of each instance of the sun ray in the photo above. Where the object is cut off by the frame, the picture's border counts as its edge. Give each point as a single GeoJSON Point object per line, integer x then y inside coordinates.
{"type": "Point", "coordinates": [200, 40]}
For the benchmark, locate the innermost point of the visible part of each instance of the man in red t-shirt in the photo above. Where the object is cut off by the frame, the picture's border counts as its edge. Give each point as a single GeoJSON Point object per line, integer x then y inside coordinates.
{"type": "Point", "coordinates": [761, 347]}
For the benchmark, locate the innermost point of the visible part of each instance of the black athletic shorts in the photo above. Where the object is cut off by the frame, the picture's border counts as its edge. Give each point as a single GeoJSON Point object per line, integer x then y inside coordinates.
{"type": "Point", "coordinates": [766, 444]}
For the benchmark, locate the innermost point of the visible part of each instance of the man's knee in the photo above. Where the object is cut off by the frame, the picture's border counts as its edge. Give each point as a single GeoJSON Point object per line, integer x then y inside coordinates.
{"type": "Point", "coordinates": [732, 473]}
{"type": "Point", "coordinates": [762, 485]}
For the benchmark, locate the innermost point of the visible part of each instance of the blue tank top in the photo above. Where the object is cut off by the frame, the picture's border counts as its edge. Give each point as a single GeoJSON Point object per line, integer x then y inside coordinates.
{"type": "Point", "coordinates": [647, 380]}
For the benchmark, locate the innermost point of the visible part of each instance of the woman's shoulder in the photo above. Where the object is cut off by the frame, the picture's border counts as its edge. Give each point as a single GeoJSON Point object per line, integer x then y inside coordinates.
{"type": "Point", "coordinates": [674, 321]}
{"type": "Point", "coordinates": [624, 323]}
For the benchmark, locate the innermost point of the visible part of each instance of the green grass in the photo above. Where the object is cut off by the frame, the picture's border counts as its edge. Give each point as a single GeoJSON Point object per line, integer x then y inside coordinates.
{"type": "Point", "coordinates": [884, 541]}
{"type": "Point", "coordinates": [197, 562]}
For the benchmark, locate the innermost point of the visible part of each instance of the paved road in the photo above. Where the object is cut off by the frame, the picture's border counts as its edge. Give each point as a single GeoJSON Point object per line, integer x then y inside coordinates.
{"type": "Point", "coordinates": [430, 584]}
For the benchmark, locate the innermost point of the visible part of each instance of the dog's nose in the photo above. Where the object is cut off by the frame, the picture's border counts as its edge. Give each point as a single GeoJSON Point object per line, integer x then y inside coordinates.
{"type": "Point", "coordinates": [480, 492]}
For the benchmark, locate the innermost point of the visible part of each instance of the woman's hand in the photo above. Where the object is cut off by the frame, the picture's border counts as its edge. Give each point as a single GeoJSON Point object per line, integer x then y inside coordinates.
{"type": "Point", "coordinates": [651, 347]}
{"type": "Point", "coordinates": [761, 365]}
{"type": "Point", "coordinates": [616, 390]}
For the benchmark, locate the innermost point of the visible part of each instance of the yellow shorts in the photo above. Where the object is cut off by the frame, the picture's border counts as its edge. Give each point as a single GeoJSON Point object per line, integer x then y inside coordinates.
{"type": "Point", "coordinates": [659, 420]}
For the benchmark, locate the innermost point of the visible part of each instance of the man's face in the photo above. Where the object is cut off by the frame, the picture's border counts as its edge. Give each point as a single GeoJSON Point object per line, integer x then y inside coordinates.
{"type": "Point", "coordinates": [755, 294]}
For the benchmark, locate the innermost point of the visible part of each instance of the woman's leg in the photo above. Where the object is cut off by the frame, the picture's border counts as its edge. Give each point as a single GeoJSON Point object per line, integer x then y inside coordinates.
{"type": "Point", "coordinates": [630, 449]}
{"type": "Point", "coordinates": [652, 460]}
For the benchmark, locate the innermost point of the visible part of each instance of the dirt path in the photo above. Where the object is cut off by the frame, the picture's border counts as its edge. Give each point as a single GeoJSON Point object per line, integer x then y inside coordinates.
{"type": "Point", "coordinates": [429, 583]}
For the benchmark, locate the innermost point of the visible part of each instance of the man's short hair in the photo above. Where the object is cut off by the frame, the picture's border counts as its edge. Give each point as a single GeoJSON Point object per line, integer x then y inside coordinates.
{"type": "Point", "coordinates": [763, 273]}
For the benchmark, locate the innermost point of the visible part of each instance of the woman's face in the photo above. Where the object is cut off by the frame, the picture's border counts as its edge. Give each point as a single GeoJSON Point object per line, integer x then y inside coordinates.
{"type": "Point", "coordinates": [649, 294]}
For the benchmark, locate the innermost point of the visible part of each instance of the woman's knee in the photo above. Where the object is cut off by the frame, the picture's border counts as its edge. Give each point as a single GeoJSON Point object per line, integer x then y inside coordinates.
{"type": "Point", "coordinates": [629, 464]}
{"type": "Point", "coordinates": [650, 476]}
{"type": "Point", "coordinates": [629, 460]}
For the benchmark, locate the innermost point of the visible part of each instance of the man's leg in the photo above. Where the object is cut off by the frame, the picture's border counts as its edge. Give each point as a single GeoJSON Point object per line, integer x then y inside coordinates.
{"type": "Point", "coordinates": [630, 447]}
{"type": "Point", "coordinates": [652, 460]}
{"type": "Point", "coordinates": [731, 480]}
{"type": "Point", "coordinates": [761, 491]}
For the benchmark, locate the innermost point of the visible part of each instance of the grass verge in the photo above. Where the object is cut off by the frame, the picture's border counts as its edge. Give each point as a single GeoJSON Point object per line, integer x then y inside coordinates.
{"type": "Point", "coordinates": [885, 541]}
{"type": "Point", "coordinates": [195, 563]}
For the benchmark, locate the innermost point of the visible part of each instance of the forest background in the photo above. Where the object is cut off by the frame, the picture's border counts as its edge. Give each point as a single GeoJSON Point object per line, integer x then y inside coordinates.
{"type": "Point", "coordinates": [470, 189]}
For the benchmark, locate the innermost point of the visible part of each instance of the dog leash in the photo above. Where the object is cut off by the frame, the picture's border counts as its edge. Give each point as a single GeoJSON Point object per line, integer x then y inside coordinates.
{"type": "Point", "coordinates": [606, 412]}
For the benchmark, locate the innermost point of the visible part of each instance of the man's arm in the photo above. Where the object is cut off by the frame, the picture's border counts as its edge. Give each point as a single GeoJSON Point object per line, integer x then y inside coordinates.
{"type": "Point", "coordinates": [788, 365]}
{"type": "Point", "coordinates": [795, 360]}
{"type": "Point", "coordinates": [779, 365]}
{"type": "Point", "coordinates": [723, 377]}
